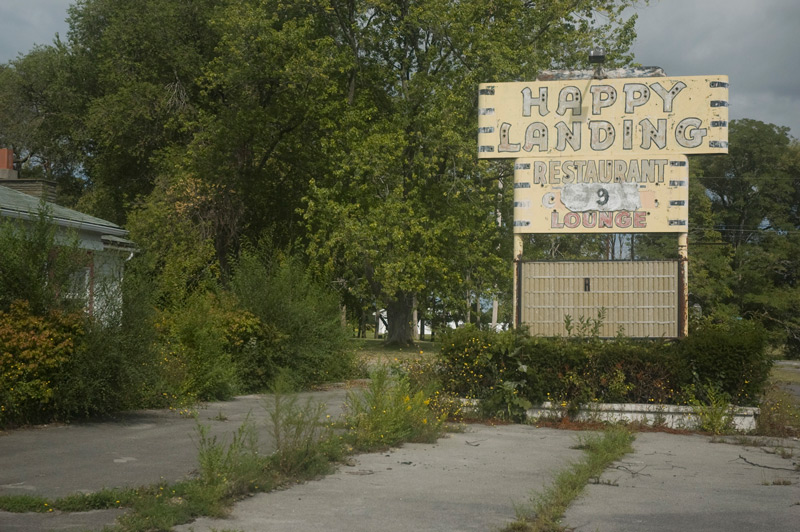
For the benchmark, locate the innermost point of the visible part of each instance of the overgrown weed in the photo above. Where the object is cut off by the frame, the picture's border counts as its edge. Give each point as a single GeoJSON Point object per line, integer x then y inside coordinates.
{"type": "Point", "coordinates": [546, 510]}
{"type": "Point", "coordinates": [77, 502]}
{"type": "Point", "coordinates": [715, 413]}
{"type": "Point", "coordinates": [389, 412]}
{"type": "Point", "coordinates": [779, 414]}
{"type": "Point", "coordinates": [307, 445]}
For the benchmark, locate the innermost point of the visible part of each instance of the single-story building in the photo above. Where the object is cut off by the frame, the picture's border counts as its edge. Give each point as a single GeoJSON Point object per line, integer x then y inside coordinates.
{"type": "Point", "coordinates": [105, 243]}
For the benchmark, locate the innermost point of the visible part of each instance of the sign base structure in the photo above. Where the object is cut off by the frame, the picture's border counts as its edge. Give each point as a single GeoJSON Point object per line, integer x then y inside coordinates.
{"type": "Point", "coordinates": [641, 299]}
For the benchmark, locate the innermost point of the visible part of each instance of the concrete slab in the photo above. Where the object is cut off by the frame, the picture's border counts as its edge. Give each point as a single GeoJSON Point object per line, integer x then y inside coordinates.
{"type": "Point", "coordinates": [674, 482]}
{"type": "Point", "coordinates": [58, 521]}
{"type": "Point", "coordinates": [467, 481]}
{"type": "Point", "coordinates": [132, 449]}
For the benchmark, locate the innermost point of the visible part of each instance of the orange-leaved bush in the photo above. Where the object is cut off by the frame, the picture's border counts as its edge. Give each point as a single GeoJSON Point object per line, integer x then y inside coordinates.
{"type": "Point", "coordinates": [33, 351]}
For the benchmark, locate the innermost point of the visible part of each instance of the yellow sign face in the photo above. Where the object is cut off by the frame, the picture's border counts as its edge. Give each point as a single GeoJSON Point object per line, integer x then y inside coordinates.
{"type": "Point", "coordinates": [657, 116]}
{"type": "Point", "coordinates": [624, 194]}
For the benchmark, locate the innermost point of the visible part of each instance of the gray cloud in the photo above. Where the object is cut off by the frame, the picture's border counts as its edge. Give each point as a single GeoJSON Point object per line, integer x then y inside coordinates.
{"type": "Point", "coordinates": [28, 22]}
{"type": "Point", "coordinates": [756, 44]}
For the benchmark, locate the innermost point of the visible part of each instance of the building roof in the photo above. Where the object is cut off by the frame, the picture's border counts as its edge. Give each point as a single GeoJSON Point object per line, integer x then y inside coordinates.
{"type": "Point", "coordinates": [18, 205]}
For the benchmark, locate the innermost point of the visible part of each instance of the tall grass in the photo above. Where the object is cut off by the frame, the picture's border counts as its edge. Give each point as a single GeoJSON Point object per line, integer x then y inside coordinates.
{"type": "Point", "coordinates": [388, 412]}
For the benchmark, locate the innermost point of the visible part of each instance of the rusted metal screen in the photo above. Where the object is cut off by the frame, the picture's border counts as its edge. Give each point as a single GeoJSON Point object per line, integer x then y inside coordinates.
{"type": "Point", "coordinates": [641, 297]}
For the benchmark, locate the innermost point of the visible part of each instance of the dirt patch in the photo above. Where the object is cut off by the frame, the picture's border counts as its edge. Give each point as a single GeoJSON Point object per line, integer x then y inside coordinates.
{"type": "Point", "coordinates": [346, 385]}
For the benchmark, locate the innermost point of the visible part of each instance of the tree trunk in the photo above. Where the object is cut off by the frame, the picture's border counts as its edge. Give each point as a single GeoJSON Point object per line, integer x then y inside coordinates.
{"type": "Point", "coordinates": [414, 321]}
{"type": "Point", "coordinates": [469, 301]}
{"type": "Point", "coordinates": [398, 312]}
{"type": "Point", "coordinates": [433, 319]}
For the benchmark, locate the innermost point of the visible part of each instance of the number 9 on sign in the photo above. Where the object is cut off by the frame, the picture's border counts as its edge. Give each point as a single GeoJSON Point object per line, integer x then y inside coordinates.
{"type": "Point", "coordinates": [603, 195]}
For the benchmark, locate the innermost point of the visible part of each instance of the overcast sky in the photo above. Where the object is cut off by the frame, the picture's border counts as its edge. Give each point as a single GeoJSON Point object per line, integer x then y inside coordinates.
{"type": "Point", "coordinates": [755, 42]}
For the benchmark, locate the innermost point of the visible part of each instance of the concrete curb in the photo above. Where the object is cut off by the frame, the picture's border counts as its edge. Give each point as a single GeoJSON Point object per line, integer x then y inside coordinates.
{"type": "Point", "coordinates": [672, 416]}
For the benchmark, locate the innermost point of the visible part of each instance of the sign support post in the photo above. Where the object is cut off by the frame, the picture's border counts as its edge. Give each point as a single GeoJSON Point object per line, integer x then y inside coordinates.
{"type": "Point", "coordinates": [683, 285]}
{"type": "Point", "coordinates": [518, 249]}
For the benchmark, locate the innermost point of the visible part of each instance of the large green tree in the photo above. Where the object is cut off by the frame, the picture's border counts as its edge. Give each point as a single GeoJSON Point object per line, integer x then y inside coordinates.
{"type": "Point", "coordinates": [40, 117]}
{"type": "Point", "coordinates": [236, 119]}
{"type": "Point", "coordinates": [223, 103]}
{"type": "Point", "coordinates": [136, 64]}
{"type": "Point", "coordinates": [754, 197]}
{"type": "Point", "coordinates": [270, 95]}
{"type": "Point", "coordinates": [404, 206]}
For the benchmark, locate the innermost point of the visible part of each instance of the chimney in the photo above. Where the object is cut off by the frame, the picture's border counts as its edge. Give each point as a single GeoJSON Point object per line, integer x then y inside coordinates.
{"type": "Point", "coordinates": [39, 188]}
{"type": "Point", "coordinates": [7, 164]}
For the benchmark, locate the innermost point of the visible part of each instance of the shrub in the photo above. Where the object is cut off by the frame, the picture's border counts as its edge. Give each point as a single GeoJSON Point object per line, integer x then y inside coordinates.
{"type": "Point", "coordinates": [38, 265]}
{"type": "Point", "coordinates": [653, 371]}
{"type": "Point", "coordinates": [35, 350]}
{"type": "Point", "coordinates": [64, 362]}
{"type": "Point", "coordinates": [115, 365]}
{"type": "Point", "coordinates": [613, 371]}
{"type": "Point", "coordinates": [424, 375]}
{"type": "Point", "coordinates": [194, 355]}
{"type": "Point", "coordinates": [252, 345]}
{"type": "Point", "coordinates": [93, 364]}
{"type": "Point", "coordinates": [473, 361]}
{"type": "Point", "coordinates": [509, 371]}
{"type": "Point", "coordinates": [308, 339]}
{"type": "Point", "coordinates": [730, 355]}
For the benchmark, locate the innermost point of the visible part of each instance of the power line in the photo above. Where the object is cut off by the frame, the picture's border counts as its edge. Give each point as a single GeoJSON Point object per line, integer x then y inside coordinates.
{"type": "Point", "coordinates": [755, 178]}
{"type": "Point", "coordinates": [747, 230]}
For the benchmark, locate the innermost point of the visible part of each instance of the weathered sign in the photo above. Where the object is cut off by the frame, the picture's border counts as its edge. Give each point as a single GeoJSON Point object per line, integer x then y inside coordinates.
{"type": "Point", "coordinates": [654, 116]}
{"type": "Point", "coordinates": [593, 194]}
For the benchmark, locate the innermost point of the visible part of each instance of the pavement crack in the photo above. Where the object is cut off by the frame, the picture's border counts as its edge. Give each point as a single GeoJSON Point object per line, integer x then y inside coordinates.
{"type": "Point", "coordinates": [764, 466]}
{"type": "Point", "coordinates": [633, 473]}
